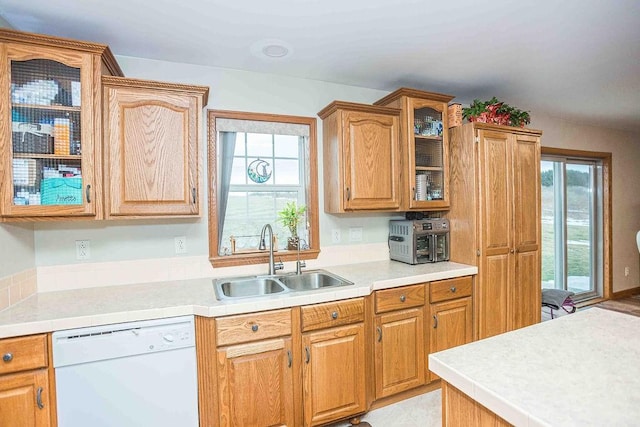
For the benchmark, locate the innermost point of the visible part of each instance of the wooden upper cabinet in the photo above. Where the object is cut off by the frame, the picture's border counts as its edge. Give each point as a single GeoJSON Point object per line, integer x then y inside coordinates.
{"type": "Point", "coordinates": [424, 143]}
{"type": "Point", "coordinates": [361, 157]}
{"type": "Point", "coordinates": [151, 138]}
{"type": "Point", "coordinates": [49, 129]}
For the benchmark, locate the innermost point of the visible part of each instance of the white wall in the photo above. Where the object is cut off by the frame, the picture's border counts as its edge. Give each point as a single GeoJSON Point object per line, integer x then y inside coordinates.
{"type": "Point", "coordinates": [17, 249]}
{"type": "Point", "coordinates": [229, 90]}
{"type": "Point", "coordinates": [4, 23]}
{"type": "Point", "coordinates": [249, 91]}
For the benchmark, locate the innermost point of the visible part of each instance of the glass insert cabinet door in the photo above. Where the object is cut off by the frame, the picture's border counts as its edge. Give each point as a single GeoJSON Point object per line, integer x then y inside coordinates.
{"type": "Point", "coordinates": [49, 134]}
{"type": "Point", "coordinates": [427, 159]}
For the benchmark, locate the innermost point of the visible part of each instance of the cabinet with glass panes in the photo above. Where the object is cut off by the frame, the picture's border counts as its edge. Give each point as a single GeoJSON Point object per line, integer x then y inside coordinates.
{"type": "Point", "coordinates": [49, 132]}
{"type": "Point", "coordinates": [424, 135]}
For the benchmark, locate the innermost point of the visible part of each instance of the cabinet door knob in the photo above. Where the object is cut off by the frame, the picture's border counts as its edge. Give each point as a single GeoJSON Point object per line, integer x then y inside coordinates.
{"type": "Point", "coordinates": [334, 315]}
{"type": "Point", "coordinates": [512, 251]}
{"type": "Point", "coordinates": [254, 328]}
{"type": "Point", "coordinates": [8, 357]}
{"type": "Point", "coordinates": [453, 289]}
{"type": "Point", "coordinates": [403, 298]}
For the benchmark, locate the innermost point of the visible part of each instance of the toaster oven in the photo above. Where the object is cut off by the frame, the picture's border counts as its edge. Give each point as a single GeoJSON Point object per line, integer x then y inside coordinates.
{"type": "Point", "coordinates": [419, 241]}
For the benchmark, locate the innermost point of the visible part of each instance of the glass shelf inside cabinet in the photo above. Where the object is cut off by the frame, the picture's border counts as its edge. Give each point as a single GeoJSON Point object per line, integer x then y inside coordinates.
{"type": "Point", "coordinates": [428, 154]}
{"type": "Point", "coordinates": [46, 133]}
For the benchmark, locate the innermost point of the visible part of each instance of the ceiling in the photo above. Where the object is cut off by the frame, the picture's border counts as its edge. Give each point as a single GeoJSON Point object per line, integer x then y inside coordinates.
{"type": "Point", "coordinates": [578, 59]}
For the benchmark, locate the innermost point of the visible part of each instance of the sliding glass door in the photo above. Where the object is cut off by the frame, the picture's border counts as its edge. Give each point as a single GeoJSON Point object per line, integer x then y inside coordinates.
{"type": "Point", "coordinates": [572, 225]}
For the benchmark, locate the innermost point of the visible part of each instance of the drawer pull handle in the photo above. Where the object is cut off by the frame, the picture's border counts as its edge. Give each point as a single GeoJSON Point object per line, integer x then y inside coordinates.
{"type": "Point", "coordinates": [88, 193]}
{"type": "Point", "coordinates": [39, 398]}
{"type": "Point", "coordinates": [453, 289]}
{"type": "Point", "coordinates": [348, 194]}
{"type": "Point", "coordinates": [254, 328]}
{"type": "Point", "coordinates": [334, 315]}
{"type": "Point", "coordinates": [308, 355]}
{"type": "Point", "coordinates": [193, 195]}
{"type": "Point", "coordinates": [435, 322]}
{"type": "Point", "coordinates": [289, 358]}
{"type": "Point", "coordinates": [403, 298]}
{"type": "Point", "coordinates": [379, 329]}
{"type": "Point", "coordinates": [8, 357]}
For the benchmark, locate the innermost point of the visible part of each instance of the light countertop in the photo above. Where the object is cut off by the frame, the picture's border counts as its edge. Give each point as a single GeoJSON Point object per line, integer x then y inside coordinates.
{"type": "Point", "coordinates": [577, 370]}
{"type": "Point", "coordinates": [52, 311]}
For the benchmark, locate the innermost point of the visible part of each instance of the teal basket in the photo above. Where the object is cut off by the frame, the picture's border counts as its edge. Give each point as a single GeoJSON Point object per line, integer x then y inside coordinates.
{"type": "Point", "coordinates": [61, 191]}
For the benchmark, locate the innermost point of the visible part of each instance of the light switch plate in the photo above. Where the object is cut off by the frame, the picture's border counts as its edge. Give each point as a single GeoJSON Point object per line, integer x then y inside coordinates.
{"type": "Point", "coordinates": [355, 234]}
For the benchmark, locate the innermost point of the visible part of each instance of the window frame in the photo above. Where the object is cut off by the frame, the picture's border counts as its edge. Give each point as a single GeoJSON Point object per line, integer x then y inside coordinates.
{"type": "Point", "coordinates": [311, 170]}
{"type": "Point", "coordinates": [605, 163]}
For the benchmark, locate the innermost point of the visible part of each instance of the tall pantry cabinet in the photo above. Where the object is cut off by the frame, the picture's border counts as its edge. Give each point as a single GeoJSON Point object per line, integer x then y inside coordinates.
{"type": "Point", "coordinates": [495, 221]}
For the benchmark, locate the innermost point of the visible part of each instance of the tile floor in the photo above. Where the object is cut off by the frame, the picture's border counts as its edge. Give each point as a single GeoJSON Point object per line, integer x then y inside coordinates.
{"type": "Point", "coordinates": [424, 411]}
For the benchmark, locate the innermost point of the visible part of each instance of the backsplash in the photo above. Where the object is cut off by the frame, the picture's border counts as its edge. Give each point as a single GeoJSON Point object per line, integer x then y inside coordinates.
{"type": "Point", "coordinates": [17, 287]}
{"type": "Point", "coordinates": [89, 275]}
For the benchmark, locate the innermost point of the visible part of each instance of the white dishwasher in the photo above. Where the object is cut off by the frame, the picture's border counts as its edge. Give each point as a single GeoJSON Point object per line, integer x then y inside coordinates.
{"type": "Point", "coordinates": [127, 375]}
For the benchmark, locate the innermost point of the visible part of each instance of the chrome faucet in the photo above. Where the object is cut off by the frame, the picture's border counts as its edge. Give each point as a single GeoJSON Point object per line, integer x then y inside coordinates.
{"type": "Point", "coordinates": [273, 266]}
{"type": "Point", "coordinates": [299, 264]}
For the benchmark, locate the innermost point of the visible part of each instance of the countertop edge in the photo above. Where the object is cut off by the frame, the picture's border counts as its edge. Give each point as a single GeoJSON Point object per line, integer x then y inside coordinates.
{"type": "Point", "coordinates": [53, 322]}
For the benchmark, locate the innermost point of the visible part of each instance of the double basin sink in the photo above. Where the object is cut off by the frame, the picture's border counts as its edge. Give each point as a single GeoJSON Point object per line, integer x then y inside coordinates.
{"type": "Point", "coordinates": [255, 286]}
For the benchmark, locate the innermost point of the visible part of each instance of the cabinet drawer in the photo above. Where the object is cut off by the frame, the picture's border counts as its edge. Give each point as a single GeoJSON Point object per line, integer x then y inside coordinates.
{"type": "Point", "coordinates": [253, 326]}
{"type": "Point", "coordinates": [444, 290]}
{"type": "Point", "coordinates": [326, 315]}
{"type": "Point", "coordinates": [21, 354]}
{"type": "Point", "coordinates": [399, 298]}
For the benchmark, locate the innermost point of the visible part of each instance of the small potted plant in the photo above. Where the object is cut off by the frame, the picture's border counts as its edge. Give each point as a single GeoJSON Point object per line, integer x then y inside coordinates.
{"type": "Point", "coordinates": [290, 216]}
{"type": "Point", "coordinates": [496, 112]}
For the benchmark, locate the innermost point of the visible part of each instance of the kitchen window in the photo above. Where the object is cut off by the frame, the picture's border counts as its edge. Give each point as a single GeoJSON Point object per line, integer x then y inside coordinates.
{"type": "Point", "coordinates": [258, 163]}
{"type": "Point", "coordinates": [575, 224]}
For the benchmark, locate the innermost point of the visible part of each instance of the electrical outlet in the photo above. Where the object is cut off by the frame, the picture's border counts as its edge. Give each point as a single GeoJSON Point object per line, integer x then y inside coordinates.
{"type": "Point", "coordinates": [626, 272]}
{"type": "Point", "coordinates": [180, 244]}
{"type": "Point", "coordinates": [335, 235]}
{"type": "Point", "coordinates": [355, 234]}
{"type": "Point", "coordinates": [83, 249]}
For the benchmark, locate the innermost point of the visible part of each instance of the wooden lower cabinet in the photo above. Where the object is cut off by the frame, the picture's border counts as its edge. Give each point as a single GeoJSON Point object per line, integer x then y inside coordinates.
{"type": "Point", "coordinates": [255, 384]}
{"type": "Point", "coordinates": [334, 376]}
{"type": "Point", "coordinates": [399, 352]}
{"type": "Point", "coordinates": [26, 398]}
{"type": "Point", "coordinates": [321, 363]}
{"type": "Point", "coordinates": [399, 348]}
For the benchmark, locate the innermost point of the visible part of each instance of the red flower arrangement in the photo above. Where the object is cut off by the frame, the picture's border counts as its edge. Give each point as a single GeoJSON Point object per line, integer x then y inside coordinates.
{"type": "Point", "coordinates": [496, 112]}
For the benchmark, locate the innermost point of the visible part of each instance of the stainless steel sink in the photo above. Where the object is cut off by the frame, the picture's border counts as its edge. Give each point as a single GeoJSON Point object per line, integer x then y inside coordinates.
{"type": "Point", "coordinates": [310, 280]}
{"type": "Point", "coordinates": [244, 287]}
{"type": "Point", "coordinates": [256, 286]}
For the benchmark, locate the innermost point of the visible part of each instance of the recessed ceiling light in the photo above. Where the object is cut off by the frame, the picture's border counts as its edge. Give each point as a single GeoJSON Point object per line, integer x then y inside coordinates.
{"type": "Point", "coordinates": [275, 50]}
{"type": "Point", "coordinates": [271, 49]}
